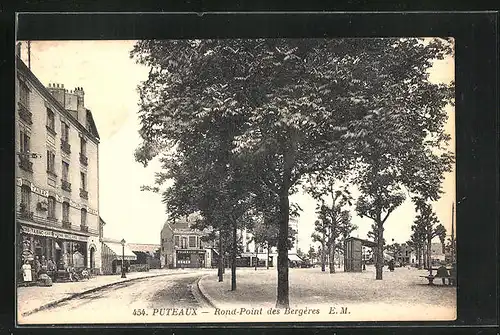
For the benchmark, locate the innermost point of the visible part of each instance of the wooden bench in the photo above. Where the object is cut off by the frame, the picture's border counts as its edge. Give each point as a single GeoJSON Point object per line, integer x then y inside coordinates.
{"type": "Point", "coordinates": [431, 278]}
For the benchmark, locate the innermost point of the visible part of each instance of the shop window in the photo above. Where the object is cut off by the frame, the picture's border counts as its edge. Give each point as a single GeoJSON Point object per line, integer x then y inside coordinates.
{"type": "Point", "coordinates": [25, 197]}
{"type": "Point", "coordinates": [65, 211]}
{"type": "Point", "coordinates": [83, 221]}
{"type": "Point", "coordinates": [192, 241]}
{"type": "Point", "coordinates": [51, 208]}
{"type": "Point", "coordinates": [184, 243]}
{"type": "Point", "coordinates": [176, 240]}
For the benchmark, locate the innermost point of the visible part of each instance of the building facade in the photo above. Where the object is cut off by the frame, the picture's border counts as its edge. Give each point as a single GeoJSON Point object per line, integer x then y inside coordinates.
{"type": "Point", "coordinates": [182, 246]}
{"type": "Point", "coordinates": [57, 174]}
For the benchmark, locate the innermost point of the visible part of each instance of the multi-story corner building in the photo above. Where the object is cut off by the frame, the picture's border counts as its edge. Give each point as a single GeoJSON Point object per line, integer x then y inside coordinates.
{"type": "Point", "coordinates": [182, 246]}
{"type": "Point", "coordinates": [57, 174]}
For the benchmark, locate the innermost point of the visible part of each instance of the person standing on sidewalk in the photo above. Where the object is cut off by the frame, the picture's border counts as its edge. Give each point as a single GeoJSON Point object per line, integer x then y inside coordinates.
{"type": "Point", "coordinates": [38, 267]}
{"type": "Point", "coordinates": [27, 278]}
{"type": "Point", "coordinates": [51, 269]}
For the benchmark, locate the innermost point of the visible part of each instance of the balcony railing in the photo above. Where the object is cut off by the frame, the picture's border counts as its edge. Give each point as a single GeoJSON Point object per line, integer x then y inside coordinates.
{"type": "Point", "coordinates": [84, 228]}
{"type": "Point", "coordinates": [25, 114]}
{"type": "Point", "coordinates": [43, 220]}
{"type": "Point", "coordinates": [51, 130]}
{"type": "Point", "coordinates": [65, 146]}
{"type": "Point", "coordinates": [25, 214]}
{"type": "Point", "coordinates": [25, 163]}
{"type": "Point", "coordinates": [65, 185]}
{"type": "Point", "coordinates": [84, 194]}
{"type": "Point", "coordinates": [84, 159]}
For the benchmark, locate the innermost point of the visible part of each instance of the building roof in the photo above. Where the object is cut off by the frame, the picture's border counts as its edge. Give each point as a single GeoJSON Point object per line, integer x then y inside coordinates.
{"type": "Point", "coordinates": [144, 247]}
{"type": "Point", "coordinates": [93, 128]}
{"type": "Point", "coordinates": [119, 251]}
{"type": "Point", "coordinates": [21, 66]}
{"type": "Point", "coordinates": [366, 243]}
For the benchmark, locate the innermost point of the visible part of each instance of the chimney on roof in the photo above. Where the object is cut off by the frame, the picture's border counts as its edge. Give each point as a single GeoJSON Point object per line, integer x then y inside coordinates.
{"type": "Point", "coordinates": [58, 92]}
{"type": "Point", "coordinates": [80, 96]}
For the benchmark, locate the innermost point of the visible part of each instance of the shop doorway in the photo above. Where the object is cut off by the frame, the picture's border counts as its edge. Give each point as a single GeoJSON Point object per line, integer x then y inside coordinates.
{"type": "Point", "coordinates": [92, 257]}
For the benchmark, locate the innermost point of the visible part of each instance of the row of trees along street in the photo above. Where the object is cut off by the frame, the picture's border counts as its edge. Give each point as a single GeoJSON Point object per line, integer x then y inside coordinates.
{"type": "Point", "coordinates": [241, 125]}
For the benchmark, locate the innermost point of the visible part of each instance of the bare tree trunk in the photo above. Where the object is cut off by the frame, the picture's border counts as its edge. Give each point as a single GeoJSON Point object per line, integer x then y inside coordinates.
{"type": "Point", "coordinates": [429, 255]}
{"type": "Point", "coordinates": [220, 270]}
{"type": "Point", "coordinates": [331, 253]}
{"type": "Point", "coordinates": [267, 256]}
{"type": "Point", "coordinates": [380, 251]}
{"type": "Point", "coordinates": [256, 257]}
{"type": "Point", "coordinates": [289, 156]}
{"type": "Point", "coordinates": [233, 258]}
{"type": "Point", "coordinates": [323, 258]}
{"type": "Point", "coordinates": [283, 289]}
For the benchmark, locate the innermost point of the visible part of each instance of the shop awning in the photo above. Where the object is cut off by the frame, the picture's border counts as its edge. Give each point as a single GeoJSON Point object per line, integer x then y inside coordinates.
{"type": "Point", "coordinates": [116, 249]}
{"type": "Point", "coordinates": [294, 258]}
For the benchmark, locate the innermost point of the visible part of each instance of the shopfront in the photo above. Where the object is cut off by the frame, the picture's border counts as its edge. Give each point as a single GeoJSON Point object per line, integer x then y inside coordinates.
{"type": "Point", "coordinates": [64, 249]}
{"type": "Point", "coordinates": [190, 258]}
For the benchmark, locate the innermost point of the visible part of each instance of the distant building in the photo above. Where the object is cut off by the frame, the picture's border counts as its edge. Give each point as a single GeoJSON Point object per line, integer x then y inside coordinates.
{"type": "Point", "coordinates": [57, 174]}
{"type": "Point", "coordinates": [112, 254]}
{"type": "Point", "coordinates": [437, 254]}
{"type": "Point", "coordinates": [148, 256]}
{"type": "Point", "coordinates": [182, 246]}
{"type": "Point", "coordinates": [406, 255]}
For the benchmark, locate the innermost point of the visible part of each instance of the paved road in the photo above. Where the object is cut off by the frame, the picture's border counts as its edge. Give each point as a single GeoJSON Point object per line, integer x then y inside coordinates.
{"type": "Point", "coordinates": [157, 299]}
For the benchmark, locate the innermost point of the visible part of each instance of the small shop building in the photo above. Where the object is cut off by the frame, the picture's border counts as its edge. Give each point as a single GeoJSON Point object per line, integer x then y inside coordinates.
{"type": "Point", "coordinates": [114, 254]}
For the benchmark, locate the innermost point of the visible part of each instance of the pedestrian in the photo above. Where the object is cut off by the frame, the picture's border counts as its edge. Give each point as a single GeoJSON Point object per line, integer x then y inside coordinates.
{"type": "Point", "coordinates": [442, 272]}
{"type": "Point", "coordinates": [51, 269]}
{"type": "Point", "coordinates": [391, 265]}
{"type": "Point", "coordinates": [44, 264]}
{"type": "Point", "coordinates": [26, 268]}
{"type": "Point", "coordinates": [38, 267]}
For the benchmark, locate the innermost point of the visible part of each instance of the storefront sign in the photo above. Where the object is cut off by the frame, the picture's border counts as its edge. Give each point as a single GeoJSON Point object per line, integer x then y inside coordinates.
{"type": "Point", "coordinates": [191, 251]}
{"type": "Point", "coordinates": [54, 234]}
{"type": "Point", "coordinates": [60, 199]}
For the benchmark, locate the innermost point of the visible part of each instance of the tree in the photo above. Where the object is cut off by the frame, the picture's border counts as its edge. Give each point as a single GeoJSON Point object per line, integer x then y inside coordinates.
{"type": "Point", "coordinates": [320, 235]}
{"type": "Point", "coordinates": [312, 255]}
{"type": "Point", "coordinates": [297, 104]}
{"type": "Point", "coordinates": [400, 137]}
{"type": "Point", "coordinates": [428, 226]}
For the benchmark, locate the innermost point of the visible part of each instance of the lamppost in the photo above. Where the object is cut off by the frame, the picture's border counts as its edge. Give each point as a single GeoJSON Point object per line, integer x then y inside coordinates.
{"type": "Point", "coordinates": [123, 257]}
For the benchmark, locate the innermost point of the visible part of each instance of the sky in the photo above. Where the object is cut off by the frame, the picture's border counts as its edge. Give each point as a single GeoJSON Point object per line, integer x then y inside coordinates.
{"type": "Point", "coordinates": [110, 79]}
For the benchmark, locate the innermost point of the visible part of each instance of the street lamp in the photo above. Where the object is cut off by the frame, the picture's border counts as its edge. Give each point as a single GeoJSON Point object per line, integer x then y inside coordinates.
{"type": "Point", "coordinates": [123, 257]}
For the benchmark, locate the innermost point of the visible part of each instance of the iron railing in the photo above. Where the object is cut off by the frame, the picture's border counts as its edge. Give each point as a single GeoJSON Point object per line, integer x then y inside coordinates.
{"type": "Point", "coordinates": [84, 160]}
{"type": "Point", "coordinates": [25, 114]}
{"type": "Point", "coordinates": [84, 194]}
{"type": "Point", "coordinates": [65, 146]}
{"type": "Point", "coordinates": [65, 185]}
{"type": "Point", "coordinates": [25, 163]}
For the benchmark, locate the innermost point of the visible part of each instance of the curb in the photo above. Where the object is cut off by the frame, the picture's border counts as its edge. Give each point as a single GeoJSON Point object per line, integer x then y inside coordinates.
{"type": "Point", "coordinates": [203, 293]}
{"type": "Point", "coordinates": [78, 294]}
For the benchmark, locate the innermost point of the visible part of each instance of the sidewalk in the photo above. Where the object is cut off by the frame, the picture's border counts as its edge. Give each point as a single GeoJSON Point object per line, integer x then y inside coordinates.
{"type": "Point", "coordinates": [401, 295]}
{"type": "Point", "coordinates": [35, 297]}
